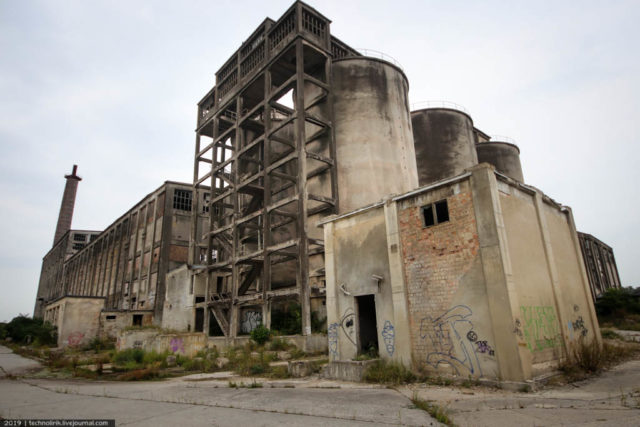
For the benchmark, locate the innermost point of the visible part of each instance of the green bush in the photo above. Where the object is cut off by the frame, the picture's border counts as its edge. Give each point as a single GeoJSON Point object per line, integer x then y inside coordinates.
{"type": "Point", "coordinates": [124, 357]}
{"type": "Point", "coordinates": [99, 344]}
{"type": "Point", "coordinates": [25, 330]}
{"type": "Point", "coordinates": [3, 330]}
{"type": "Point", "coordinates": [619, 308]}
{"type": "Point", "coordinates": [260, 334]}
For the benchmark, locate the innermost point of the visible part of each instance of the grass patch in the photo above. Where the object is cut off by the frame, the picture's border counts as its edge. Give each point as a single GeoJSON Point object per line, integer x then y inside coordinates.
{"type": "Point", "coordinates": [436, 411]}
{"type": "Point", "coordinates": [385, 372]}
{"type": "Point", "coordinates": [611, 335]}
{"type": "Point", "coordinates": [587, 357]}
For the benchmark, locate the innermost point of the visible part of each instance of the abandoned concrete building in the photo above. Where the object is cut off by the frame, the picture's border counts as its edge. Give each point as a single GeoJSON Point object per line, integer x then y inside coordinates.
{"type": "Point", "coordinates": [98, 282]}
{"type": "Point", "coordinates": [322, 197]}
{"type": "Point", "coordinates": [600, 263]}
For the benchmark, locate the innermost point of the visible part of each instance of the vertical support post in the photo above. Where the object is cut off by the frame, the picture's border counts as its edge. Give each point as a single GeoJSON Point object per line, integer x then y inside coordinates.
{"type": "Point", "coordinates": [266, 219]}
{"type": "Point", "coordinates": [302, 278]}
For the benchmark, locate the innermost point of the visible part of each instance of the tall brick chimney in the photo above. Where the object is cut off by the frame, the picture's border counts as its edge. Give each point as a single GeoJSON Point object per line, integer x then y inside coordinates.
{"type": "Point", "coordinates": [68, 202]}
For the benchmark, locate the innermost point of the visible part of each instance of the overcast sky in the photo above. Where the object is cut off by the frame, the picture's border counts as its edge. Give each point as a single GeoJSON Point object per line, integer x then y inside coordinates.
{"type": "Point", "coordinates": [112, 86]}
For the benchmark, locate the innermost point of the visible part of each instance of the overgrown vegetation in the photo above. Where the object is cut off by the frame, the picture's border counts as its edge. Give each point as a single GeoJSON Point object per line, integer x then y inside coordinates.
{"type": "Point", "coordinates": [587, 357]}
{"type": "Point", "coordinates": [386, 372]}
{"type": "Point", "coordinates": [98, 359]}
{"type": "Point", "coordinates": [436, 411]}
{"type": "Point", "coordinates": [25, 330]}
{"type": "Point", "coordinates": [260, 334]}
{"type": "Point", "coordinates": [619, 308]}
{"type": "Point", "coordinates": [286, 319]}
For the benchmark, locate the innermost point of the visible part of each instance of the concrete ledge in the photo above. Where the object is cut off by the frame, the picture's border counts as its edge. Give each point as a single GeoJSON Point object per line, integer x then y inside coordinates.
{"type": "Point", "coordinates": [314, 343]}
{"type": "Point", "coordinates": [346, 370]}
{"type": "Point", "coordinates": [187, 344]}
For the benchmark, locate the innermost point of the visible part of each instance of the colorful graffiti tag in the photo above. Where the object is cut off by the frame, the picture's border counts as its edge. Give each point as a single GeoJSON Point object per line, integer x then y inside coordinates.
{"type": "Point", "coordinates": [177, 345]}
{"type": "Point", "coordinates": [540, 327]}
{"type": "Point", "coordinates": [75, 338]}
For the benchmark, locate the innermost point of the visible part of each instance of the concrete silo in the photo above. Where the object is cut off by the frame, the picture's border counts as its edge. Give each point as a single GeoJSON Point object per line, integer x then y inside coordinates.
{"type": "Point", "coordinates": [504, 156]}
{"type": "Point", "coordinates": [374, 143]}
{"type": "Point", "coordinates": [444, 143]}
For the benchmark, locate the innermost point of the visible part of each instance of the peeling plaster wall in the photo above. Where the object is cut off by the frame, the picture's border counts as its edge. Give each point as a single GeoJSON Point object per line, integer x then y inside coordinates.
{"type": "Point", "coordinates": [178, 302]}
{"type": "Point", "coordinates": [449, 318]}
{"type": "Point", "coordinates": [77, 319]}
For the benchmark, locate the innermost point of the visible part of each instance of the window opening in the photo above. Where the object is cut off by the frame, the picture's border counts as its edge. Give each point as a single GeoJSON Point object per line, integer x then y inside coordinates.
{"type": "Point", "coordinates": [79, 237]}
{"type": "Point", "coordinates": [435, 213]}
{"type": "Point", "coordinates": [182, 200]}
{"type": "Point", "coordinates": [137, 320]}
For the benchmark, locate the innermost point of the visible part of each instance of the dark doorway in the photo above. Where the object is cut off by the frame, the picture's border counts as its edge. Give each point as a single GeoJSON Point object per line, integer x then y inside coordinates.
{"type": "Point", "coordinates": [214, 328]}
{"type": "Point", "coordinates": [199, 320]}
{"type": "Point", "coordinates": [137, 320]}
{"type": "Point", "coordinates": [367, 327]}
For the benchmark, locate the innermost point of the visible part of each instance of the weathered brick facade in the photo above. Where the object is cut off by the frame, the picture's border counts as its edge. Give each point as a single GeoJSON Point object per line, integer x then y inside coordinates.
{"type": "Point", "coordinates": [435, 258]}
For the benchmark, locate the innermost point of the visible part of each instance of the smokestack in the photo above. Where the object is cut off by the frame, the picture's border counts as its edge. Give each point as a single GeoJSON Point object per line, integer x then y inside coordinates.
{"type": "Point", "coordinates": [68, 202]}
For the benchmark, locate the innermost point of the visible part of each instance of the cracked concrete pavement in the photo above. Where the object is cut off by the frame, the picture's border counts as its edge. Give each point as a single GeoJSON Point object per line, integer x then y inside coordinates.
{"type": "Point", "coordinates": [610, 399]}
{"type": "Point", "coordinates": [205, 400]}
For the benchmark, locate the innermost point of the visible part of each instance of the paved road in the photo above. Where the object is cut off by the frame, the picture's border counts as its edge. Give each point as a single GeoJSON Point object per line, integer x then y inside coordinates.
{"type": "Point", "coordinates": [209, 401]}
{"type": "Point", "coordinates": [609, 399]}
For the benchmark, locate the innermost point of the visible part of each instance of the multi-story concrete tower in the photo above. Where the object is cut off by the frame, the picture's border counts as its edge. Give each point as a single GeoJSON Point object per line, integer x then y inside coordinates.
{"type": "Point", "coordinates": [68, 202]}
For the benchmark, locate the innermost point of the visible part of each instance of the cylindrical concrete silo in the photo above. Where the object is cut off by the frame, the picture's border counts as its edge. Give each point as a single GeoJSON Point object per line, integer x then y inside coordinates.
{"type": "Point", "coordinates": [444, 143]}
{"type": "Point", "coordinates": [504, 156]}
{"type": "Point", "coordinates": [374, 143]}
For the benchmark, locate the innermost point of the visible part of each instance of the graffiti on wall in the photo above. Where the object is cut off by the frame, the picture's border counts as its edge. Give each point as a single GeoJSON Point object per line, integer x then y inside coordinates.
{"type": "Point", "coordinates": [250, 321]}
{"type": "Point", "coordinates": [348, 324]}
{"type": "Point", "coordinates": [578, 327]}
{"type": "Point", "coordinates": [75, 338]}
{"type": "Point", "coordinates": [540, 327]}
{"type": "Point", "coordinates": [332, 333]}
{"type": "Point", "coordinates": [452, 338]}
{"type": "Point", "coordinates": [389, 337]}
{"type": "Point", "coordinates": [177, 345]}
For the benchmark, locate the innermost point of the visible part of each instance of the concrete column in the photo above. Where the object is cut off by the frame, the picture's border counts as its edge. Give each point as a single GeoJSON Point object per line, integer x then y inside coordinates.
{"type": "Point", "coordinates": [498, 277]}
{"type": "Point", "coordinates": [333, 313]}
{"type": "Point", "coordinates": [398, 286]}
{"type": "Point", "coordinates": [67, 205]}
{"type": "Point", "coordinates": [583, 276]}
{"type": "Point", "coordinates": [553, 270]}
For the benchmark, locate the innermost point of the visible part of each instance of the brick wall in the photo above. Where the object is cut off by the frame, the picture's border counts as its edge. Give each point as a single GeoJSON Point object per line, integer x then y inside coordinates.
{"type": "Point", "coordinates": [435, 259]}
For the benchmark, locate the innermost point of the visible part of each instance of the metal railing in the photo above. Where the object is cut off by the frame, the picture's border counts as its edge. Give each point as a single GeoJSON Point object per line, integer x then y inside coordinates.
{"type": "Point", "coordinates": [438, 104]}
{"type": "Point", "coordinates": [502, 138]}
{"type": "Point", "coordinates": [380, 55]}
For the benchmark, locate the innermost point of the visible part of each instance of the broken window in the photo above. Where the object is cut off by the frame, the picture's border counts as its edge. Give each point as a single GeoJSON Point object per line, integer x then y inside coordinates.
{"type": "Point", "coordinates": [137, 320]}
{"type": "Point", "coordinates": [111, 317]}
{"type": "Point", "coordinates": [93, 237]}
{"type": "Point", "coordinates": [77, 246]}
{"type": "Point", "coordinates": [435, 213]}
{"type": "Point", "coordinates": [205, 202]}
{"type": "Point", "coordinates": [79, 237]}
{"type": "Point", "coordinates": [182, 200]}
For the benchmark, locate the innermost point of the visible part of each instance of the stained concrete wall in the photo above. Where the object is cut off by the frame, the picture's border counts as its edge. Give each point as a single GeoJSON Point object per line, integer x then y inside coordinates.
{"type": "Point", "coordinates": [554, 306]}
{"type": "Point", "coordinates": [496, 291]}
{"type": "Point", "coordinates": [77, 319]}
{"type": "Point", "coordinates": [360, 245]}
{"type": "Point", "coordinates": [178, 301]}
{"type": "Point", "coordinates": [374, 142]}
